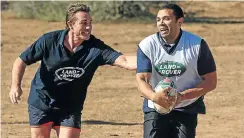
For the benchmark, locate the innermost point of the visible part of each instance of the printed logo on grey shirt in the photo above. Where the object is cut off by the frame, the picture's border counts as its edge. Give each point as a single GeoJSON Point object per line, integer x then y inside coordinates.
{"type": "Point", "coordinates": [170, 69]}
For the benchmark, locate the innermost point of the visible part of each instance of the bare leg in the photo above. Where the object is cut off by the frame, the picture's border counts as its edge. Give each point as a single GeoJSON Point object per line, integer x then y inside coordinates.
{"type": "Point", "coordinates": [42, 131]}
{"type": "Point", "coordinates": [67, 132]}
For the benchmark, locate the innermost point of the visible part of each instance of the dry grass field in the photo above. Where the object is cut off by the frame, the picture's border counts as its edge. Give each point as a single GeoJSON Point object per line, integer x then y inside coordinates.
{"type": "Point", "coordinates": [113, 105]}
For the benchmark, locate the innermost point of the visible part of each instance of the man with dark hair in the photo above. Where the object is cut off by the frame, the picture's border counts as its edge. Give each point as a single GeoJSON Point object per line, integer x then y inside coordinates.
{"type": "Point", "coordinates": [69, 59]}
{"type": "Point", "coordinates": [186, 60]}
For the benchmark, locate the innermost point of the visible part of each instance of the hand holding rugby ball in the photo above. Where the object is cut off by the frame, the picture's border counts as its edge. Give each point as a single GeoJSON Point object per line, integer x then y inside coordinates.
{"type": "Point", "coordinates": [171, 93]}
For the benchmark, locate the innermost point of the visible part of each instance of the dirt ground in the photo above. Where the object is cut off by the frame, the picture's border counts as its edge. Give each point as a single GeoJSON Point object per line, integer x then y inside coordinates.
{"type": "Point", "coordinates": [113, 104]}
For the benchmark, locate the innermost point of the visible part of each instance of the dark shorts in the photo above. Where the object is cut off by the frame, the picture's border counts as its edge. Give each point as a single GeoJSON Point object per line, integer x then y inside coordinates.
{"type": "Point", "coordinates": [173, 125]}
{"type": "Point", "coordinates": [57, 117]}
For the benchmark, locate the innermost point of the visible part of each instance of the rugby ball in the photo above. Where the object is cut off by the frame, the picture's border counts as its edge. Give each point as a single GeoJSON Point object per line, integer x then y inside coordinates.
{"type": "Point", "coordinates": [173, 92]}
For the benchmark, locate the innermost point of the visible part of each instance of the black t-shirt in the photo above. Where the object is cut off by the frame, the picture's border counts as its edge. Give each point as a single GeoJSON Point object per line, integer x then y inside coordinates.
{"type": "Point", "coordinates": [62, 78]}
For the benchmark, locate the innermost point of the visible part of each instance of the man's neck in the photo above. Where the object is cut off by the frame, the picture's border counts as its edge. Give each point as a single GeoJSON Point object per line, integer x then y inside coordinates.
{"type": "Point", "coordinates": [72, 41]}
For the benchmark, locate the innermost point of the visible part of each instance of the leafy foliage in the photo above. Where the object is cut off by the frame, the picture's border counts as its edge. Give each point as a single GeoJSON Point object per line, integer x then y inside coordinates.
{"type": "Point", "coordinates": [100, 10]}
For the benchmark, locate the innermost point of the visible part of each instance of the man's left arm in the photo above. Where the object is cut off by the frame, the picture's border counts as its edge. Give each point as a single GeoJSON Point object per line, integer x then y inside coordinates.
{"type": "Point", "coordinates": [208, 84]}
{"type": "Point", "coordinates": [127, 62]}
{"type": "Point", "coordinates": [207, 70]}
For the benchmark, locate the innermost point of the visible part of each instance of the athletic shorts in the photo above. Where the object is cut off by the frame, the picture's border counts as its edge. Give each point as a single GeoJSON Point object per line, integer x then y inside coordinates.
{"type": "Point", "coordinates": [57, 117]}
{"type": "Point", "coordinates": [176, 124]}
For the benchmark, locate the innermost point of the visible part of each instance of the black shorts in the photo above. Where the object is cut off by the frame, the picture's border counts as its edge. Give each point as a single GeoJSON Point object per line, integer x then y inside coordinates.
{"type": "Point", "coordinates": [58, 118]}
{"type": "Point", "coordinates": [173, 125]}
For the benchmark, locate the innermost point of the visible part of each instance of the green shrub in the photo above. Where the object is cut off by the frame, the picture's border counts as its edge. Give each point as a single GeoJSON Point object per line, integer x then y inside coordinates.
{"type": "Point", "coordinates": [50, 11]}
{"type": "Point", "coordinates": [100, 10]}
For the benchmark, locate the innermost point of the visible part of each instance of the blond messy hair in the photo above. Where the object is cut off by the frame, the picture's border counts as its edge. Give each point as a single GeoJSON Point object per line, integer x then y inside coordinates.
{"type": "Point", "coordinates": [72, 10]}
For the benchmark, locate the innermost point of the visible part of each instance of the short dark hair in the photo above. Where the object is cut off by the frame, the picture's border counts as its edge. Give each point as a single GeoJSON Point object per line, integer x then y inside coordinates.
{"type": "Point", "coordinates": [73, 9]}
{"type": "Point", "coordinates": [178, 12]}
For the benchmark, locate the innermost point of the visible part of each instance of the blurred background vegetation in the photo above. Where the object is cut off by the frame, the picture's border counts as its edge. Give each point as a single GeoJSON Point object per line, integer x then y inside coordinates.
{"type": "Point", "coordinates": [117, 11]}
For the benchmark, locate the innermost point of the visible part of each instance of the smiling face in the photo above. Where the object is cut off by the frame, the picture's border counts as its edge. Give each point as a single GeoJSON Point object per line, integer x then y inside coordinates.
{"type": "Point", "coordinates": [168, 25]}
{"type": "Point", "coordinates": [81, 26]}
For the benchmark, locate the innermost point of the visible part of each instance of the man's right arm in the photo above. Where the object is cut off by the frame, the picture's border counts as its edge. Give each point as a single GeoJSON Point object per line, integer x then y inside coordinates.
{"type": "Point", "coordinates": [32, 54]}
{"type": "Point", "coordinates": [143, 75]}
{"type": "Point", "coordinates": [160, 98]}
{"type": "Point", "coordinates": [143, 85]}
{"type": "Point", "coordinates": [17, 75]}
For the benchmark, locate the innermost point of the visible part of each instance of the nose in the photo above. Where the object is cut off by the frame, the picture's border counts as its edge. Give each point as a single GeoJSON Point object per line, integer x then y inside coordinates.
{"type": "Point", "coordinates": [162, 22]}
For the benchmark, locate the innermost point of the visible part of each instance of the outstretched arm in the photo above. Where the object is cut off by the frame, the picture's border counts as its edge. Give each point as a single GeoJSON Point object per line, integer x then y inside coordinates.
{"type": "Point", "coordinates": [127, 62]}
{"type": "Point", "coordinates": [17, 75]}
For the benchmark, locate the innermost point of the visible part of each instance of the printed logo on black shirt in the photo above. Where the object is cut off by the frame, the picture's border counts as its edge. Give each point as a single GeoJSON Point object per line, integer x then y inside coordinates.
{"type": "Point", "coordinates": [69, 73]}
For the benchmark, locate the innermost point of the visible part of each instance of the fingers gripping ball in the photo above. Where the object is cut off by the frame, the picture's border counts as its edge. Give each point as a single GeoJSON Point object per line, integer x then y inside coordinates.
{"type": "Point", "coordinates": [173, 92]}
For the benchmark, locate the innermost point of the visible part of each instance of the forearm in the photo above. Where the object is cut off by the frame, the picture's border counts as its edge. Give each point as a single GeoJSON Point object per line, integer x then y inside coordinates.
{"type": "Point", "coordinates": [201, 89]}
{"type": "Point", "coordinates": [18, 72]}
{"type": "Point", "coordinates": [146, 90]}
{"type": "Point", "coordinates": [144, 87]}
{"type": "Point", "coordinates": [131, 62]}
{"type": "Point", "coordinates": [127, 62]}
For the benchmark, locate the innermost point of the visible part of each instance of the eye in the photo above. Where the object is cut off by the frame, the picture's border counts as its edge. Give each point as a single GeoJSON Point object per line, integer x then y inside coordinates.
{"type": "Point", "coordinates": [84, 23]}
{"type": "Point", "coordinates": [166, 18]}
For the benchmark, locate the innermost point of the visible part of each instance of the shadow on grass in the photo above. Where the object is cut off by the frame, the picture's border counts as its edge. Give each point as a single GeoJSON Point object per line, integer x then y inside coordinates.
{"type": "Point", "coordinates": [99, 122]}
{"type": "Point", "coordinates": [211, 20]}
{"type": "Point", "coordinates": [88, 122]}
{"type": "Point", "coordinates": [15, 123]}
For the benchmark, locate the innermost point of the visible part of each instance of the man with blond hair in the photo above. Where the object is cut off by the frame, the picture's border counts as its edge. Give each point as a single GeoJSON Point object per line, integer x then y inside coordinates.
{"type": "Point", "coordinates": [69, 59]}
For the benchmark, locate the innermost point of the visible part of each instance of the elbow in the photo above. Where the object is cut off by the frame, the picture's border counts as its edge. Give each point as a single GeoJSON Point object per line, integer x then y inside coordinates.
{"type": "Point", "coordinates": [214, 82]}
{"type": "Point", "coordinates": [213, 85]}
{"type": "Point", "coordinates": [211, 81]}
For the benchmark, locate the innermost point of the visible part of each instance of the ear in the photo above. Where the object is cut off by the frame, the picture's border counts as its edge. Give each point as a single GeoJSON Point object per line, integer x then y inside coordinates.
{"type": "Point", "coordinates": [70, 25]}
{"type": "Point", "coordinates": [181, 20]}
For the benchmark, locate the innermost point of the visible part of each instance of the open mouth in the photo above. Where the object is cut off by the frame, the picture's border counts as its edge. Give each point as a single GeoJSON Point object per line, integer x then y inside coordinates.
{"type": "Point", "coordinates": [163, 29]}
{"type": "Point", "coordinates": [85, 33]}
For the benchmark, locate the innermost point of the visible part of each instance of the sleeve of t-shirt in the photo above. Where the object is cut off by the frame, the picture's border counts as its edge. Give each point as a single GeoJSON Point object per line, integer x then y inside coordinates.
{"type": "Point", "coordinates": [34, 52]}
{"type": "Point", "coordinates": [143, 62]}
{"type": "Point", "coordinates": [108, 54]}
{"type": "Point", "coordinates": [205, 63]}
